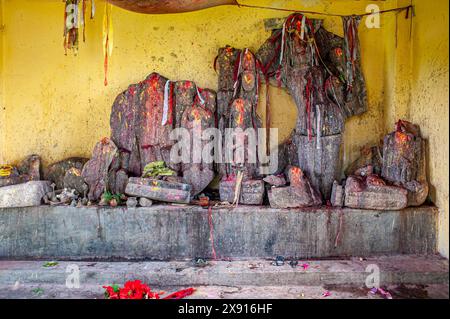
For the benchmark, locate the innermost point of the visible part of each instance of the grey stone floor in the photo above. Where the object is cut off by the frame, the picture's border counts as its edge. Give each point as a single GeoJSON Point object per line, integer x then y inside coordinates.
{"type": "Point", "coordinates": [48, 291]}
{"type": "Point", "coordinates": [404, 276]}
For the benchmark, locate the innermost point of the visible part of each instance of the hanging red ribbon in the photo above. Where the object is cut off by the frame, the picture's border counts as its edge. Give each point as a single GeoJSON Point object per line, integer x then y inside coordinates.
{"type": "Point", "coordinates": [180, 294]}
{"type": "Point", "coordinates": [171, 88]}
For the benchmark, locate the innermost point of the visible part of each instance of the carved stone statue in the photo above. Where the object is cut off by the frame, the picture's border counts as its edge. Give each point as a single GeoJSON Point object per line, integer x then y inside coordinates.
{"type": "Point", "coordinates": [312, 64]}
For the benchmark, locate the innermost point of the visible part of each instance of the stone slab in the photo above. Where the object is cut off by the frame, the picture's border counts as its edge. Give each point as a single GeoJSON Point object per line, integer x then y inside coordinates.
{"type": "Point", "coordinates": [23, 195]}
{"type": "Point", "coordinates": [252, 192]}
{"type": "Point", "coordinates": [52, 291]}
{"type": "Point", "coordinates": [419, 270]}
{"type": "Point", "coordinates": [171, 232]}
{"type": "Point", "coordinates": [159, 190]}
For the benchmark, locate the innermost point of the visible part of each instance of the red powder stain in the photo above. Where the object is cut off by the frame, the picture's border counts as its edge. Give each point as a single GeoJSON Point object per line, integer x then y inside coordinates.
{"type": "Point", "coordinates": [230, 178]}
{"type": "Point", "coordinates": [375, 181]}
{"type": "Point", "coordinates": [248, 78]}
{"type": "Point", "coordinates": [196, 115]}
{"type": "Point", "coordinates": [401, 138]}
{"type": "Point", "coordinates": [248, 60]}
{"type": "Point", "coordinates": [187, 85]}
{"type": "Point", "coordinates": [239, 107]}
{"type": "Point", "coordinates": [296, 175]}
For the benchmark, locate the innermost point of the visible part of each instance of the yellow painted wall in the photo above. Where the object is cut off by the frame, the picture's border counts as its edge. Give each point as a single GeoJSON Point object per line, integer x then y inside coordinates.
{"type": "Point", "coordinates": [430, 100]}
{"type": "Point", "coordinates": [2, 113]}
{"type": "Point", "coordinates": [417, 88]}
{"type": "Point", "coordinates": [57, 106]}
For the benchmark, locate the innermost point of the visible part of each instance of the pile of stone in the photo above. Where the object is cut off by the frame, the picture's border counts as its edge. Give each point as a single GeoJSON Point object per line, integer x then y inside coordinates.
{"type": "Point", "coordinates": [21, 186]}
{"type": "Point", "coordinates": [61, 184]}
{"type": "Point", "coordinates": [300, 193]}
{"type": "Point", "coordinates": [389, 177]}
{"type": "Point", "coordinates": [68, 186]}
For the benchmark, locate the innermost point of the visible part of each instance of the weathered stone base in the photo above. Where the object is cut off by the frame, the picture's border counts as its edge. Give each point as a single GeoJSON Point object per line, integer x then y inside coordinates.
{"type": "Point", "coordinates": [165, 232]}
{"type": "Point", "coordinates": [24, 194]}
{"type": "Point", "coordinates": [394, 270]}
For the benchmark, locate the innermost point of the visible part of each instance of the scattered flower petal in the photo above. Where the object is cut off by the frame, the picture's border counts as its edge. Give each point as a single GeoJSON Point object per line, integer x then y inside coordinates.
{"type": "Point", "coordinates": [374, 291]}
{"type": "Point", "coordinates": [386, 294]}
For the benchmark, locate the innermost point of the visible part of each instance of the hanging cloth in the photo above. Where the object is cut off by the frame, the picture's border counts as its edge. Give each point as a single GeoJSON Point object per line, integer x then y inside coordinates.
{"type": "Point", "coordinates": [74, 20]}
{"type": "Point", "coordinates": [93, 8]}
{"type": "Point", "coordinates": [351, 48]}
{"type": "Point", "coordinates": [71, 25]}
{"type": "Point", "coordinates": [83, 15]}
{"type": "Point", "coordinates": [168, 98]}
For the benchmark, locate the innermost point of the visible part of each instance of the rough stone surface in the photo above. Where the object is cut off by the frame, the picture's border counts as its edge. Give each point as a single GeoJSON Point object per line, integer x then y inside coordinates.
{"type": "Point", "coordinates": [321, 165]}
{"type": "Point", "coordinates": [320, 124]}
{"type": "Point", "coordinates": [288, 197]}
{"type": "Point", "coordinates": [237, 101]}
{"type": "Point", "coordinates": [404, 161]}
{"type": "Point", "coordinates": [195, 109]}
{"type": "Point", "coordinates": [98, 170]}
{"type": "Point", "coordinates": [145, 202]}
{"type": "Point", "coordinates": [252, 192]}
{"type": "Point", "coordinates": [120, 182]}
{"type": "Point", "coordinates": [14, 180]}
{"type": "Point", "coordinates": [23, 195]}
{"type": "Point", "coordinates": [165, 232]}
{"type": "Point", "coordinates": [31, 166]}
{"type": "Point", "coordinates": [132, 202]}
{"type": "Point", "coordinates": [74, 180]}
{"type": "Point", "coordinates": [275, 180]}
{"type": "Point", "coordinates": [20, 290]}
{"type": "Point", "coordinates": [159, 190]}
{"type": "Point", "coordinates": [370, 158]}
{"type": "Point", "coordinates": [321, 275]}
{"type": "Point", "coordinates": [300, 193]}
{"type": "Point", "coordinates": [337, 195]}
{"type": "Point", "coordinates": [27, 170]}
{"type": "Point", "coordinates": [56, 172]}
{"type": "Point", "coordinates": [361, 193]}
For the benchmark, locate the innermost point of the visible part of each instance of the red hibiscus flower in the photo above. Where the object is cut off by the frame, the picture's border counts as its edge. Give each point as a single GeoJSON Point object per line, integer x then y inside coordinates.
{"type": "Point", "coordinates": [137, 290]}
{"type": "Point", "coordinates": [111, 292]}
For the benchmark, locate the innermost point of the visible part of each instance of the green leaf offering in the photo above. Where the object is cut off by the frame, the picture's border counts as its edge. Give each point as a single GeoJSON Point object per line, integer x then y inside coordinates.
{"type": "Point", "coordinates": [51, 264]}
{"type": "Point", "coordinates": [38, 291]}
{"type": "Point", "coordinates": [156, 169]}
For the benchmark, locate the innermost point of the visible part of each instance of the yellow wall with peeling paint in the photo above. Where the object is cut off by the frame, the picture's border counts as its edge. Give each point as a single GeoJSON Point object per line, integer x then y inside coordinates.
{"type": "Point", "coordinates": [430, 100]}
{"type": "Point", "coordinates": [57, 106]}
{"type": "Point", "coordinates": [423, 61]}
{"type": "Point", "coordinates": [417, 89]}
{"type": "Point", "coordinates": [2, 113]}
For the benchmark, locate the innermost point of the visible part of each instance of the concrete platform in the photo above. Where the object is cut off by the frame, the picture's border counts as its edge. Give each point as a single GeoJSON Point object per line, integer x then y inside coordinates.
{"type": "Point", "coordinates": [257, 272]}
{"type": "Point", "coordinates": [165, 232]}
{"type": "Point", "coordinates": [230, 292]}
{"type": "Point", "coordinates": [404, 276]}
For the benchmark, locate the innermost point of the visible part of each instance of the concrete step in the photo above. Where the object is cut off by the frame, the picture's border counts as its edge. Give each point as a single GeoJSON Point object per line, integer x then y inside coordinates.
{"type": "Point", "coordinates": [393, 270]}
{"type": "Point", "coordinates": [167, 232]}
{"type": "Point", "coordinates": [48, 291]}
